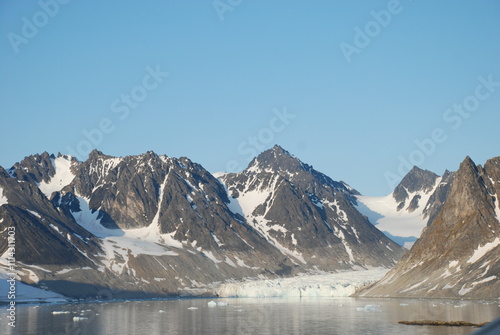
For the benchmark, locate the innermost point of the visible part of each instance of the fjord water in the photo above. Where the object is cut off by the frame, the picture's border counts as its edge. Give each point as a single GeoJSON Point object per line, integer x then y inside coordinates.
{"type": "Point", "coordinates": [249, 316]}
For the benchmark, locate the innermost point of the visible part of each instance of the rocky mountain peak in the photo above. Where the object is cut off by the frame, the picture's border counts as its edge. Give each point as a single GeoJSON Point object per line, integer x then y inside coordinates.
{"type": "Point", "coordinates": [35, 168]}
{"type": "Point", "coordinates": [417, 180]}
{"type": "Point", "coordinates": [279, 162]}
{"type": "Point", "coordinates": [150, 154]}
{"type": "Point", "coordinates": [95, 154]}
{"type": "Point", "coordinates": [467, 167]}
{"type": "Point", "coordinates": [276, 159]}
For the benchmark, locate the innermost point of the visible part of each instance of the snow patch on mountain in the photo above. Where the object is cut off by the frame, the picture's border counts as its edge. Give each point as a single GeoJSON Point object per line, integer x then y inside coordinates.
{"type": "Point", "coordinates": [249, 200]}
{"type": "Point", "coordinates": [497, 209]}
{"type": "Point", "coordinates": [61, 178]}
{"type": "Point", "coordinates": [3, 198]}
{"type": "Point", "coordinates": [26, 293]}
{"type": "Point", "coordinates": [496, 200]}
{"type": "Point", "coordinates": [234, 204]}
{"type": "Point", "coordinates": [464, 290]}
{"type": "Point", "coordinates": [348, 249]}
{"type": "Point", "coordinates": [119, 244]}
{"type": "Point", "coordinates": [106, 165]}
{"type": "Point", "coordinates": [211, 256]}
{"type": "Point", "coordinates": [34, 213]}
{"type": "Point", "coordinates": [160, 198]}
{"type": "Point", "coordinates": [481, 251]}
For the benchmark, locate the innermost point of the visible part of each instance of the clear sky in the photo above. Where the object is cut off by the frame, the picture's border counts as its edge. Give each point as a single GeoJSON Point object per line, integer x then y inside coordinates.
{"type": "Point", "coordinates": [349, 87]}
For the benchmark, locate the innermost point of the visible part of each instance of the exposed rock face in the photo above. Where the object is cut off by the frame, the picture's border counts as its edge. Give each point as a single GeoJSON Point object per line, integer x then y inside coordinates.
{"type": "Point", "coordinates": [306, 214]}
{"type": "Point", "coordinates": [417, 180]}
{"type": "Point", "coordinates": [151, 225]}
{"type": "Point", "coordinates": [457, 255]}
{"type": "Point", "coordinates": [438, 197]}
{"type": "Point", "coordinates": [41, 229]}
{"type": "Point", "coordinates": [36, 168]}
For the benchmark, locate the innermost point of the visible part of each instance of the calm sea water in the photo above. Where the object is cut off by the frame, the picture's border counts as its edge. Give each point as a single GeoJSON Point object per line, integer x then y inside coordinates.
{"type": "Point", "coordinates": [248, 316]}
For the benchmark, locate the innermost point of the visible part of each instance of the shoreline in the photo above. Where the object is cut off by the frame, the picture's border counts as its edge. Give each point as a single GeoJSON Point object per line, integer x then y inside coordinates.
{"type": "Point", "coordinates": [72, 301]}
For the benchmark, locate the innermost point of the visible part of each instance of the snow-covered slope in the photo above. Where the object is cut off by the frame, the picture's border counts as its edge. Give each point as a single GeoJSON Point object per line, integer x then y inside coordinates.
{"type": "Point", "coordinates": [403, 214]}
{"type": "Point", "coordinates": [24, 293]}
{"type": "Point", "coordinates": [402, 225]}
{"type": "Point", "coordinates": [3, 198]}
{"type": "Point", "coordinates": [63, 176]}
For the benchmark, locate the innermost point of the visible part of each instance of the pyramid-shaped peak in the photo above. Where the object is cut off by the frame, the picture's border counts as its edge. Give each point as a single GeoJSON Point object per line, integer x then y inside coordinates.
{"type": "Point", "coordinates": [468, 172]}
{"type": "Point", "coordinates": [278, 150]}
{"type": "Point", "coordinates": [416, 169]}
{"type": "Point", "coordinates": [275, 152]}
{"type": "Point", "coordinates": [276, 159]}
{"type": "Point", "coordinates": [468, 163]}
{"type": "Point", "coordinates": [416, 180]}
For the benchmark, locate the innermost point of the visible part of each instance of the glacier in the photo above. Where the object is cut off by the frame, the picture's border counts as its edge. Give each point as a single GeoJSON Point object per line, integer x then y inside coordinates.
{"type": "Point", "coordinates": [339, 284]}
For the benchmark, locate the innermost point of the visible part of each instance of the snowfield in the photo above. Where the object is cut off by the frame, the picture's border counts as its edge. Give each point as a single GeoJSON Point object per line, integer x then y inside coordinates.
{"type": "Point", "coordinates": [63, 176]}
{"type": "Point", "coordinates": [341, 284]}
{"type": "Point", "coordinates": [23, 293]}
{"type": "Point", "coordinates": [397, 223]}
{"type": "Point", "coordinates": [119, 244]}
{"type": "Point", "coordinates": [403, 224]}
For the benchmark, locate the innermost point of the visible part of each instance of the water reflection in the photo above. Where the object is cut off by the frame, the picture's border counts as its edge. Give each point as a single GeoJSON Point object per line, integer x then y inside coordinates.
{"type": "Point", "coordinates": [250, 316]}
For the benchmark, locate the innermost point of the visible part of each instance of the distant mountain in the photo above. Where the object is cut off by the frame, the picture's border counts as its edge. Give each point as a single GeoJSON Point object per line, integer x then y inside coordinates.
{"type": "Point", "coordinates": [152, 225]}
{"type": "Point", "coordinates": [306, 214]}
{"type": "Point", "coordinates": [457, 254]}
{"type": "Point", "coordinates": [403, 214]}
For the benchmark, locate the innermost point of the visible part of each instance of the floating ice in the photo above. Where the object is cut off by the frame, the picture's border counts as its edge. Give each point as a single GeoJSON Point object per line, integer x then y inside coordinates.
{"type": "Point", "coordinates": [369, 308]}
{"type": "Point", "coordinates": [212, 304]}
{"type": "Point", "coordinates": [60, 312]}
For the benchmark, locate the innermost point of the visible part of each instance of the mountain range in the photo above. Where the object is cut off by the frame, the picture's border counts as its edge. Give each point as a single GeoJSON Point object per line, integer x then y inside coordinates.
{"type": "Point", "coordinates": [154, 226]}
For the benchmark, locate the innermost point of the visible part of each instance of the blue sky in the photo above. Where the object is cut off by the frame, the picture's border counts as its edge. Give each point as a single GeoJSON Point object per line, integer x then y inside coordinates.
{"type": "Point", "coordinates": [217, 81]}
